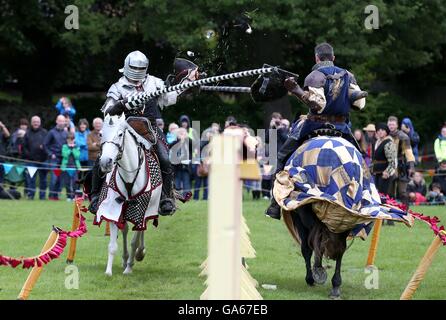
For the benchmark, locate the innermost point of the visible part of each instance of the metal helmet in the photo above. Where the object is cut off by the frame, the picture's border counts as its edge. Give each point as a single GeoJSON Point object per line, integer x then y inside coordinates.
{"type": "Point", "coordinates": [268, 88]}
{"type": "Point", "coordinates": [181, 70]}
{"type": "Point", "coordinates": [135, 66]}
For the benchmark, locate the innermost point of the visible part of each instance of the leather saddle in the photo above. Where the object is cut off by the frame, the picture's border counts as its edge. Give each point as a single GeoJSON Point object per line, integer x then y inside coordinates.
{"type": "Point", "coordinates": [143, 127]}
{"type": "Point", "coordinates": [327, 129]}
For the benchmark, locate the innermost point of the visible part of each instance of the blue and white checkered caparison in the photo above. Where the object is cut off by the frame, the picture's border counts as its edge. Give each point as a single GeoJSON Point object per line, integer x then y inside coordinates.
{"type": "Point", "coordinates": [331, 173]}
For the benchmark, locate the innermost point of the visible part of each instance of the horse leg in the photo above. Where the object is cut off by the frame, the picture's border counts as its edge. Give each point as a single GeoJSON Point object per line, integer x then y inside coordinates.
{"type": "Point", "coordinates": [319, 273]}
{"type": "Point", "coordinates": [112, 248]}
{"type": "Point", "coordinates": [338, 250]}
{"type": "Point", "coordinates": [125, 253]}
{"type": "Point", "coordinates": [307, 253]}
{"type": "Point", "coordinates": [336, 281]}
{"type": "Point", "coordinates": [133, 245]}
{"type": "Point", "coordinates": [140, 251]}
{"type": "Point", "coordinates": [305, 248]}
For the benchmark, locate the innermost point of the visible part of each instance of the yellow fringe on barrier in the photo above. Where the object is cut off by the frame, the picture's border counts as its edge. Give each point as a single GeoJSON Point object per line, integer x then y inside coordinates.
{"type": "Point", "coordinates": [204, 268]}
{"type": "Point", "coordinates": [246, 248]}
{"type": "Point", "coordinates": [248, 287]}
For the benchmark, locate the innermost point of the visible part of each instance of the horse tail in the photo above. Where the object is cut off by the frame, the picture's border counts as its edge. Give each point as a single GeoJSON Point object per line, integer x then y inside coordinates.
{"type": "Point", "coordinates": [326, 243]}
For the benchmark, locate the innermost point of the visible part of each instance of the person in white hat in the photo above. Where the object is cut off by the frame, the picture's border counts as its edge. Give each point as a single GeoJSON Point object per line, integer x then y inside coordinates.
{"type": "Point", "coordinates": [370, 140]}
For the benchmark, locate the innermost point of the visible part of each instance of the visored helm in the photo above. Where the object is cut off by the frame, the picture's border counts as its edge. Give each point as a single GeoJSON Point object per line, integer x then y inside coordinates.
{"type": "Point", "coordinates": [268, 88]}
{"type": "Point", "coordinates": [135, 66]}
{"type": "Point", "coordinates": [181, 70]}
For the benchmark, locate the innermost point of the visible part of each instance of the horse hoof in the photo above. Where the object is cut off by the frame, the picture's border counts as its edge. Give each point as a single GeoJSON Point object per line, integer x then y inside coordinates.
{"type": "Point", "coordinates": [108, 273]}
{"type": "Point", "coordinates": [127, 271]}
{"type": "Point", "coordinates": [319, 275]}
{"type": "Point", "coordinates": [309, 281]}
{"type": "Point", "coordinates": [140, 254]}
{"type": "Point", "coordinates": [335, 294]}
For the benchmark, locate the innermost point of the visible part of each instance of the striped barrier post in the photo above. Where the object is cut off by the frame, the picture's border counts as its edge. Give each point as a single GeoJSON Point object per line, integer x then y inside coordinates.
{"type": "Point", "coordinates": [36, 271]}
{"type": "Point", "coordinates": [73, 241]}
{"type": "Point", "coordinates": [374, 243]}
{"type": "Point", "coordinates": [424, 265]}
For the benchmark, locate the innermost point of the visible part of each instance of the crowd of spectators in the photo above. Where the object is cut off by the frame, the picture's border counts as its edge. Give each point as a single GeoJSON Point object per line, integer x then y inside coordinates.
{"type": "Point", "coordinates": [58, 158]}
{"type": "Point", "coordinates": [396, 164]}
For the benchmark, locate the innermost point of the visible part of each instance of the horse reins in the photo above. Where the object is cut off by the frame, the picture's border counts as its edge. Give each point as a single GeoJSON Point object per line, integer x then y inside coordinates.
{"type": "Point", "coordinates": [129, 186]}
{"type": "Point", "coordinates": [119, 157]}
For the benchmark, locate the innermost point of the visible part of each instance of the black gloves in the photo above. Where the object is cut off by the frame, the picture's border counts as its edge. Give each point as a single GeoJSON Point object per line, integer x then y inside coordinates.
{"type": "Point", "coordinates": [117, 108]}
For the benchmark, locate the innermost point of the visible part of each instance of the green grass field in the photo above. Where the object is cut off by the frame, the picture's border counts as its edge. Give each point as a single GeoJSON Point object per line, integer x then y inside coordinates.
{"type": "Point", "coordinates": [177, 247]}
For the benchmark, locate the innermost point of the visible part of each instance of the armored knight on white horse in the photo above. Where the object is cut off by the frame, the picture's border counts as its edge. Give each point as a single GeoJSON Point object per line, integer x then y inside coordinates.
{"type": "Point", "coordinates": [132, 179]}
{"type": "Point", "coordinates": [136, 80]}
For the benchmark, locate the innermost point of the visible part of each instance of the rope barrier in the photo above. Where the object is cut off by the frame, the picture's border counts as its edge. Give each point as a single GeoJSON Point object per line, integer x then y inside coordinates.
{"type": "Point", "coordinates": [433, 222]}
{"type": "Point", "coordinates": [7, 185]}
{"type": "Point", "coordinates": [24, 163]}
{"type": "Point", "coordinates": [52, 250]}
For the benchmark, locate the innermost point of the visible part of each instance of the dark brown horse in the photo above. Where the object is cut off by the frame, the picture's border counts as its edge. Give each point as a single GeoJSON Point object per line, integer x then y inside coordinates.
{"type": "Point", "coordinates": [314, 236]}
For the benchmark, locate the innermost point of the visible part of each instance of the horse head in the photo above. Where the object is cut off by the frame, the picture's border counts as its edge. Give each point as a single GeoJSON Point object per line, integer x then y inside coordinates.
{"type": "Point", "coordinates": [113, 132]}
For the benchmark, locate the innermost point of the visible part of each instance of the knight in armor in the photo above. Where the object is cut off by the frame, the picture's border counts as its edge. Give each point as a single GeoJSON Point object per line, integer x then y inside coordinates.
{"type": "Point", "coordinates": [330, 92]}
{"type": "Point", "coordinates": [135, 79]}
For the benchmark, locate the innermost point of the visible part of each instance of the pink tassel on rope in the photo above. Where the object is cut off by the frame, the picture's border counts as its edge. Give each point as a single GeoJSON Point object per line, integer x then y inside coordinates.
{"type": "Point", "coordinates": [14, 262]}
{"type": "Point", "coordinates": [28, 263]}
{"type": "Point", "coordinates": [431, 221]}
{"type": "Point", "coordinates": [53, 253]}
{"type": "Point", "coordinates": [3, 261]}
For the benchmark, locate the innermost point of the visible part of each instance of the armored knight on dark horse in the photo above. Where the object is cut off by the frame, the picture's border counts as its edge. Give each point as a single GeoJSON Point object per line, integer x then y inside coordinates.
{"type": "Point", "coordinates": [322, 183]}
{"type": "Point", "coordinates": [329, 92]}
{"type": "Point", "coordinates": [135, 79]}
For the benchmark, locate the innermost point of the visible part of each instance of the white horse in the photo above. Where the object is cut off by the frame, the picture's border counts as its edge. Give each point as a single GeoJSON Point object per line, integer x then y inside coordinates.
{"type": "Point", "coordinates": [132, 189]}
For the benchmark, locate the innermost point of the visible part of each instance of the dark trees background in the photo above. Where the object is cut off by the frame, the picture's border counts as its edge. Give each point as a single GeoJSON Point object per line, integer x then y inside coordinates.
{"type": "Point", "coordinates": [402, 63]}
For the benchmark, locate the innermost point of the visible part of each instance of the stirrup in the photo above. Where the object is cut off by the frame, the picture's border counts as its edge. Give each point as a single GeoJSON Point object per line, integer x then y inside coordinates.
{"type": "Point", "coordinates": [167, 207]}
{"type": "Point", "coordinates": [273, 211]}
{"type": "Point", "coordinates": [94, 205]}
{"type": "Point", "coordinates": [183, 197]}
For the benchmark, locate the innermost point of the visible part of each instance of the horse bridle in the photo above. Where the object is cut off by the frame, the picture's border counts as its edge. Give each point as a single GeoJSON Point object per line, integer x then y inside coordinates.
{"type": "Point", "coordinates": [119, 157]}
{"type": "Point", "coordinates": [120, 149]}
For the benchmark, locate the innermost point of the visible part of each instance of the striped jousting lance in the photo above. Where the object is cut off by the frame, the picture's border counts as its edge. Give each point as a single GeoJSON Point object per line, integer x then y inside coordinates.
{"type": "Point", "coordinates": [226, 89]}
{"type": "Point", "coordinates": [141, 98]}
